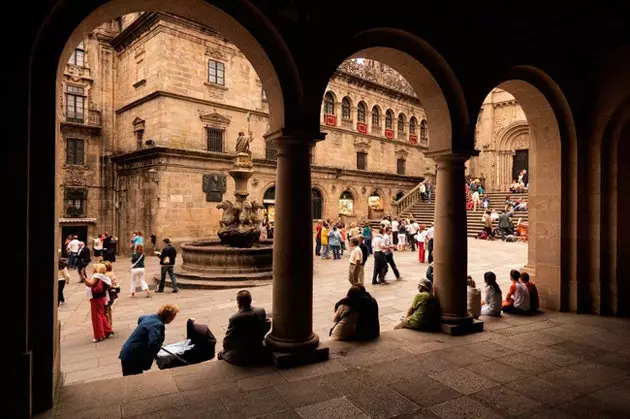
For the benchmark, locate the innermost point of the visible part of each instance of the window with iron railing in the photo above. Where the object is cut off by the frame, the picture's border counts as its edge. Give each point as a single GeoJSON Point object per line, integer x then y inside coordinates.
{"type": "Point", "coordinates": [75, 202]}
{"type": "Point", "coordinates": [215, 139]}
{"type": "Point", "coordinates": [75, 103]}
{"type": "Point", "coordinates": [271, 151]}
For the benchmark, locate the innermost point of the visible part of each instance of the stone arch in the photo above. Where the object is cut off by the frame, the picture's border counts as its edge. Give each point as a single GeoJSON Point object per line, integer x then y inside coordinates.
{"type": "Point", "coordinates": [513, 137]}
{"type": "Point", "coordinates": [614, 246]}
{"type": "Point", "coordinates": [552, 250]}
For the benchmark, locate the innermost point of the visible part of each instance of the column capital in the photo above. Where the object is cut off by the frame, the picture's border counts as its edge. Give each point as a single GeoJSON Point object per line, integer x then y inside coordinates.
{"type": "Point", "coordinates": [292, 135]}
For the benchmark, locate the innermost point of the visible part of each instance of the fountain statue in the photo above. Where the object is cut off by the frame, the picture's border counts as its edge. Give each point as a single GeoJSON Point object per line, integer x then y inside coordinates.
{"type": "Point", "coordinates": [238, 259]}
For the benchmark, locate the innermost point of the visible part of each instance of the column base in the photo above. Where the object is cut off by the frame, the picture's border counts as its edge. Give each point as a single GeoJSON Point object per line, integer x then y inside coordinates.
{"type": "Point", "coordinates": [291, 346]}
{"type": "Point", "coordinates": [295, 359]}
{"type": "Point", "coordinates": [461, 329]}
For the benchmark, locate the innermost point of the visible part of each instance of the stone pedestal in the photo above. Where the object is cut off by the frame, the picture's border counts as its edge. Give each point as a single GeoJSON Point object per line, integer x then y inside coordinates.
{"type": "Point", "coordinates": [292, 330]}
{"type": "Point", "coordinates": [450, 253]}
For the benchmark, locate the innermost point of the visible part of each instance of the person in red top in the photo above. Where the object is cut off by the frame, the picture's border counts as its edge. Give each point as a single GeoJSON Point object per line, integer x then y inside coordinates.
{"type": "Point", "coordinates": [534, 300]}
{"type": "Point", "coordinates": [318, 238]}
{"type": "Point", "coordinates": [98, 285]}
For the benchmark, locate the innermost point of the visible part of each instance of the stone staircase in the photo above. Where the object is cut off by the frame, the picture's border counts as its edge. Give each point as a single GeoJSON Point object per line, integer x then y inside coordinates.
{"type": "Point", "coordinates": [423, 212]}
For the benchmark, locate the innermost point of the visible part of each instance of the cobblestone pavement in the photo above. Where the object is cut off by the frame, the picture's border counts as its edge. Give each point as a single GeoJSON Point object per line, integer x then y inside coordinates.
{"type": "Point", "coordinates": [83, 361]}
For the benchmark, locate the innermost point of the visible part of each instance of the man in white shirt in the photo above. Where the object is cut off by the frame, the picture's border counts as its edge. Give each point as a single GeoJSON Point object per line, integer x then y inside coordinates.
{"type": "Point", "coordinates": [412, 230]}
{"type": "Point", "coordinates": [429, 239]}
{"type": "Point", "coordinates": [395, 225]}
{"type": "Point", "coordinates": [385, 222]}
{"type": "Point", "coordinates": [388, 247]}
{"type": "Point", "coordinates": [355, 274]}
{"type": "Point", "coordinates": [380, 262]}
{"type": "Point", "coordinates": [73, 249]}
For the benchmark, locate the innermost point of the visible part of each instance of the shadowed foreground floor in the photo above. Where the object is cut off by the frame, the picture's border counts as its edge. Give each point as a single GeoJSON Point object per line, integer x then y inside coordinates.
{"type": "Point", "coordinates": [553, 365]}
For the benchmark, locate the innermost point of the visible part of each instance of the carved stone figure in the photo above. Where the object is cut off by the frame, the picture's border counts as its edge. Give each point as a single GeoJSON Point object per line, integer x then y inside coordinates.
{"type": "Point", "coordinates": [242, 143]}
{"type": "Point", "coordinates": [230, 214]}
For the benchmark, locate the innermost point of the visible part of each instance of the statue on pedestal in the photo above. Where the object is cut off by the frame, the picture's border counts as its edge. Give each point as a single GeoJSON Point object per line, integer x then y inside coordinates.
{"type": "Point", "coordinates": [242, 143]}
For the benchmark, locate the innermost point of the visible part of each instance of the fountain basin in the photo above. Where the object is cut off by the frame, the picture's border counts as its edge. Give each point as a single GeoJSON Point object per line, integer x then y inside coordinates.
{"type": "Point", "coordinates": [208, 264]}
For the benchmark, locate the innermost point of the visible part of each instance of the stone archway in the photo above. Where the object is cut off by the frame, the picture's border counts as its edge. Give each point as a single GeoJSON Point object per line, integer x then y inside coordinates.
{"type": "Point", "coordinates": [514, 138]}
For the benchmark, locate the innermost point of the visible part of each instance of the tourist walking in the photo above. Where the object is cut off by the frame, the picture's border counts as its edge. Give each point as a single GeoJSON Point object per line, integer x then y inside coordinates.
{"type": "Point", "coordinates": [355, 273]}
{"type": "Point", "coordinates": [334, 241]}
{"type": "Point", "coordinates": [141, 348]}
{"type": "Point", "coordinates": [136, 240]}
{"type": "Point", "coordinates": [63, 278]}
{"type": "Point", "coordinates": [325, 246]}
{"type": "Point", "coordinates": [113, 291]}
{"type": "Point", "coordinates": [388, 249]}
{"type": "Point", "coordinates": [318, 238]}
{"type": "Point", "coordinates": [380, 263]}
{"type": "Point", "coordinates": [429, 238]}
{"type": "Point", "coordinates": [98, 246]}
{"type": "Point", "coordinates": [367, 237]}
{"type": "Point", "coordinates": [421, 238]}
{"type": "Point", "coordinates": [395, 226]}
{"type": "Point", "coordinates": [365, 253]}
{"type": "Point", "coordinates": [402, 236]}
{"type": "Point", "coordinates": [137, 272]}
{"type": "Point", "coordinates": [476, 201]}
{"type": "Point", "coordinates": [73, 249]}
{"type": "Point", "coordinates": [167, 263]}
{"type": "Point", "coordinates": [412, 230]}
{"type": "Point", "coordinates": [109, 248]}
{"type": "Point", "coordinates": [96, 288]}
{"type": "Point", "coordinates": [83, 260]}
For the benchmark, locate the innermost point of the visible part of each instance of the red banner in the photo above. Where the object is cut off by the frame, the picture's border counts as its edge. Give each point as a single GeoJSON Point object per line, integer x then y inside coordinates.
{"type": "Point", "coordinates": [413, 139]}
{"type": "Point", "coordinates": [389, 133]}
{"type": "Point", "coordinates": [361, 127]}
{"type": "Point", "coordinates": [330, 120]}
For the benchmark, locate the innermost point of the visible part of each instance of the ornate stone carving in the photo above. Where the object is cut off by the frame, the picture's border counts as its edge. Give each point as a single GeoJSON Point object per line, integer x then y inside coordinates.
{"type": "Point", "coordinates": [377, 73]}
{"type": "Point", "coordinates": [242, 143]}
{"type": "Point", "coordinates": [214, 186]}
{"type": "Point", "coordinates": [214, 119]}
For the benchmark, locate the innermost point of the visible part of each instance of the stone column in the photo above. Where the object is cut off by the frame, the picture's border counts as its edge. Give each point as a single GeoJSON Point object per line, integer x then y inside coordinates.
{"type": "Point", "coordinates": [450, 243]}
{"type": "Point", "coordinates": [293, 246]}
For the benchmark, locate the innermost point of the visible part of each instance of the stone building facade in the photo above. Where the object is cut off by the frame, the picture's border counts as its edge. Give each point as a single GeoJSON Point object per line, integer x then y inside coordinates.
{"type": "Point", "coordinates": [162, 102]}
{"type": "Point", "coordinates": [502, 138]}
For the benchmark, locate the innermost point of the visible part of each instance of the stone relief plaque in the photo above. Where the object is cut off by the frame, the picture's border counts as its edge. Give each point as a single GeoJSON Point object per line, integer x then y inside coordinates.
{"type": "Point", "coordinates": [214, 186]}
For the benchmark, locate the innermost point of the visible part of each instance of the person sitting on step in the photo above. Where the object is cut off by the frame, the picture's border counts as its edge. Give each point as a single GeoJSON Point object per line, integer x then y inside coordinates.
{"type": "Point", "coordinates": [517, 298]}
{"type": "Point", "coordinates": [534, 300]}
{"type": "Point", "coordinates": [424, 313]}
{"type": "Point", "coordinates": [243, 342]}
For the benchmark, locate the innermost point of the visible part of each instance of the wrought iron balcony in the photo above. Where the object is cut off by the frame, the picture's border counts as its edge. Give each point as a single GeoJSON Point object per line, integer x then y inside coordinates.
{"type": "Point", "coordinates": [91, 119]}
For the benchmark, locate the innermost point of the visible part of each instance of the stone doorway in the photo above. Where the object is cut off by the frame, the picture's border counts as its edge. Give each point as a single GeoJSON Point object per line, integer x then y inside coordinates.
{"type": "Point", "coordinates": [520, 162]}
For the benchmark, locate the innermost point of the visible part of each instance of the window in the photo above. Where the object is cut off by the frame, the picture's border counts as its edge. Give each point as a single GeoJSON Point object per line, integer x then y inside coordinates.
{"type": "Point", "coordinates": [424, 131]}
{"type": "Point", "coordinates": [317, 201]}
{"type": "Point", "coordinates": [78, 55]}
{"type": "Point", "coordinates": [345, 109]}
{"type": "Point", "coordinates": [400, 166]}
{"type": "Point", "coordinates": [389, 120]}
{"type": "Point", "coordinates": [215, 139]}
{"type": "Point", "coordinates": [264, 95]}
{"type": "Point", "coordinates": [329, 104]}
{"type": "Point", "coordinates": [412, 126]}
{"type": "Point", "coordinates": [139, 138]}
{"type": "Point", "coordinates": [74, 151]}
{"type": "Point", "coordinates": [361, 112]}
{"type": "Point", "coordinates": [74, 104]}
{"type": "Point", "coordinates": [362, 160]}
{"type": "Point", "coordinates": [346, 203]}
{"type": "Point", "coordinates": [216, 72]}
{"type": "Point", "coordinates": [271, 151]}
{"type": "Point", "coordinates": [75, 202]}
{"type": "Point", "coordinates": [401, 124]}
{"type": "Point", "coordinates": [376, 117]}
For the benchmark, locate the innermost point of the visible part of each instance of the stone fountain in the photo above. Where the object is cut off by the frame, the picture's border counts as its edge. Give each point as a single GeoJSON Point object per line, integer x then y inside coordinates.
{"type": "Point", "coordinates": [238, 259]}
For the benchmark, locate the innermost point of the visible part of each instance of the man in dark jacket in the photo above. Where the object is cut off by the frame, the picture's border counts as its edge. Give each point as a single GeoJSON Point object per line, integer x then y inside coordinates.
{"type": "Point", "coordinates": [138, 352]}
{"type": "Point", "coordinates": [505, 225]}
{"type": "Point", "coordinates": [83, 260]}
{"type": "Point", "coordinates": [167, 262]}
{"type": "Point", "coordinates": [243, 342]}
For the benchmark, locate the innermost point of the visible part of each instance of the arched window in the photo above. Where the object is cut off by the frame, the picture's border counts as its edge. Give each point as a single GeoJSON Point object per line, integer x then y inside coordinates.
{"type": "Point", "coordinates": [424, 131]}
{"type": "Point", "coordinates": [345, 109]}
{"type": "Point", "coordinates": [270, 195]}
{"type": "Point", "coordinates": [412, 125]}
{"type": "Point", "coordinates": [401, 124]}
{"type": "Point", "coordinates": [376, 117]}
{"type": "Point", "coordinates": [346, 203]}
{"type": "Point", "coordinates": [329, 104]}
{"type": "Point", "coordinates": [389, 119]}
{"type": "Point", "coordinates": [361, 112]}
{"type": "Point", "coordinates": [375, 202]}
{"type": "Point", "coordinates": [318, 203]}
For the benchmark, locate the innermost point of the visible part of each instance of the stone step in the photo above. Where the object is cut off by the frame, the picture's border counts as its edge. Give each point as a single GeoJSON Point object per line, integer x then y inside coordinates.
{"type": "Point", "coordinates": [195, 280]}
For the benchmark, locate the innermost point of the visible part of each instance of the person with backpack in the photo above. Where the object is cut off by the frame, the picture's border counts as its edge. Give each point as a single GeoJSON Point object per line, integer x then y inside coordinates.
{"type": "Point", "coordinates": [96, 288]}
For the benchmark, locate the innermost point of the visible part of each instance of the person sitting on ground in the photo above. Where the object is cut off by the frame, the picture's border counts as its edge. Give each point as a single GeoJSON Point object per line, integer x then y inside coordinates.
{"type": "Point", "coordinates": [473, 298]}
{"type": "Point", "coordinates": [143, 345]}
{"type": "Point", "coordinates": [243, 342]}
{"type": "Point", "coordinates": [429, 274]}
{"type": "Point", "coordinates": [424, 313]}
{"type": "Point", "coordinates": [346, 315]}
{"type": "Point", "coordinates": [517, 298]}
{"type": "Point", "coordinates": [491, 304]}
{"type": "Point", "coordinates": [534, 300]}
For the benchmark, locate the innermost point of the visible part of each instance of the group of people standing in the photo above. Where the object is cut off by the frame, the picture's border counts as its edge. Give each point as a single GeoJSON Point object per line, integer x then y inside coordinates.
{"type": "Point", "coordinates": [332, 236]}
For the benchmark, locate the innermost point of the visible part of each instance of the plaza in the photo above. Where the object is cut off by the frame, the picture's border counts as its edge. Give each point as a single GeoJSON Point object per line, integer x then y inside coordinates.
{"type": "Point", "coordinates": [214, 307]}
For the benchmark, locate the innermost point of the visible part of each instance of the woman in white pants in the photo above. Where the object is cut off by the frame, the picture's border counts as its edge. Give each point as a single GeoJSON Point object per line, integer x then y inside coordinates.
{"type": "Point", "coordinates": [137, 271]}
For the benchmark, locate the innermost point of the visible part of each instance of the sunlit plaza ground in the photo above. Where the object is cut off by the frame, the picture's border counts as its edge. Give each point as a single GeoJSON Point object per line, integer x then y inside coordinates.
{"type": "Point", "coordinates": [82, 360]}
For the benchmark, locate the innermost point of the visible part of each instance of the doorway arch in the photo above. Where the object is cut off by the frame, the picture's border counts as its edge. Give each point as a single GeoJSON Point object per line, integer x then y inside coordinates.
{"type": "Point", "coordinates": [318, 203]}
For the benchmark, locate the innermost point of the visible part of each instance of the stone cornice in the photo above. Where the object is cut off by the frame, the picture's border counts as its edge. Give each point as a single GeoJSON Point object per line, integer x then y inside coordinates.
{"type": "Point", "coordinates": [156, 152]}
{"type": "Point", "coordinates": [377, 87]}
{"type": "Point", "coordinates": [161, 93]}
